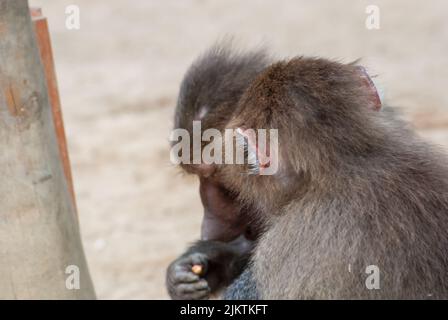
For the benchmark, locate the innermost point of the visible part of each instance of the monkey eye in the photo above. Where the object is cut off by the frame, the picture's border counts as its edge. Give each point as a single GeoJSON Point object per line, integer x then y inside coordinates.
{"type": "Point", "coordinates": [251, 160]}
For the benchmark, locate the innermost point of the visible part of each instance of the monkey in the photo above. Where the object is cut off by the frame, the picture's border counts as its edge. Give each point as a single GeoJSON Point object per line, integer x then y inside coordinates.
{"type": "Point", "coordinates": [355, 187]}
{"type": "Point", "coordinates": [366, 190]}
{"type": "Point", "coordinates": [209, 92]}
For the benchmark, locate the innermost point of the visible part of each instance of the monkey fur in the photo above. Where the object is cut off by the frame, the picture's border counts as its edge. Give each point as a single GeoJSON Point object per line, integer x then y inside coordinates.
{"type": "Point", "coordinates": [355, 187]}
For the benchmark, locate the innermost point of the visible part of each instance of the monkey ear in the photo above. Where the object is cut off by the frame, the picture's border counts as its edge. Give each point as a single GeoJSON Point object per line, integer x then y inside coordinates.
{"type": "Point", "coordinates": [368, 83]}
{"type": "Point", "coordinates": [261, 158]}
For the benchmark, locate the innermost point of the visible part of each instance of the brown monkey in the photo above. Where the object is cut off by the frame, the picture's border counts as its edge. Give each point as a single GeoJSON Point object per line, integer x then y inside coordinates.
{"type": "Point", "coordinates": [210, 92]}
{"type": "Point", "coordinates": [355, 188]}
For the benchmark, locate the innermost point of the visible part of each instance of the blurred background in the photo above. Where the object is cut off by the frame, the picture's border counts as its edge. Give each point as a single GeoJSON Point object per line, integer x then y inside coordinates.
{"type": "Point", "coordinates": [118, 79]}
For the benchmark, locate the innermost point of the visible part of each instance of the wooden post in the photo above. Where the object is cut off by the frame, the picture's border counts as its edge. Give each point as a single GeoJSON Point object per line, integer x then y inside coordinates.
{"type": "Point", "coordinates": [46, 56]}
{"type": "Point", "coordinates": [40, 245]}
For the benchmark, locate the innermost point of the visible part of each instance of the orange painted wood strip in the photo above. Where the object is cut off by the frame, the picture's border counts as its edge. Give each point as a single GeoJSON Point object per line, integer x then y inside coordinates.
{"type": "Point", "coordinates": [46, 54]}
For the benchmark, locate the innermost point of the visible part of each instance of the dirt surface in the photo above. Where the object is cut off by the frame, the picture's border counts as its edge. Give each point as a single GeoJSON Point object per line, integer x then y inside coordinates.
{"type": "Point", "coordinates": [118, 78]}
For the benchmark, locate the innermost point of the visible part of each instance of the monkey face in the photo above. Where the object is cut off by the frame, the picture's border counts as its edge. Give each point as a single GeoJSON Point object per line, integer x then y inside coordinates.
{"type": "Point", "coordinates": [223, 219]}
{"type": "Point", "coordinates": [210, 92]}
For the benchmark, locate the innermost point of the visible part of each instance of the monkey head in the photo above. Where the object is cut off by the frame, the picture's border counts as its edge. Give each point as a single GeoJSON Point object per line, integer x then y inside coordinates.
{"type": "Point", "coordinates": [209, 93]}
{"type": "Point", "coordinates": [325, 113]}
{"type": "Point", "coordinates": [328, 118]}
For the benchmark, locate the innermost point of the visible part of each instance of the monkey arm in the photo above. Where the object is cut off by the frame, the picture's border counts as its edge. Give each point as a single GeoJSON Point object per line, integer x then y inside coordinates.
{"type": "Point", "coordinates": [243, 288]}
{"type": "Point", "coordinates": [221, 263]}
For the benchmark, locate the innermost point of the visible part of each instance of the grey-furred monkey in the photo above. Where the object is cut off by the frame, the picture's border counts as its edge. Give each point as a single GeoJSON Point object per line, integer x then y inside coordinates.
{"type": "Point", "coordinates": [355, 187]}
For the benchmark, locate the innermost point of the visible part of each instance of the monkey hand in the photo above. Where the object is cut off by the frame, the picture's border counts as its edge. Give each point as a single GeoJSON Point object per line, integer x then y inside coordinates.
{"type": "Point", "coordinates": [181, 280]}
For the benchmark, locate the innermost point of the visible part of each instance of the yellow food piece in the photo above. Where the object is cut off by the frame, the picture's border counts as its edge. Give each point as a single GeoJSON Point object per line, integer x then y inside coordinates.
{"type": "Point", "coordinates": [196, 269]}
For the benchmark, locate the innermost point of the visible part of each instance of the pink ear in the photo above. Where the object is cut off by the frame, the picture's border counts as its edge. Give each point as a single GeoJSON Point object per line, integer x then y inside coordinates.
{"type": "Point", "coordinates": [261, 150]}
{"type": "Point", "coordinates": [370, 86]}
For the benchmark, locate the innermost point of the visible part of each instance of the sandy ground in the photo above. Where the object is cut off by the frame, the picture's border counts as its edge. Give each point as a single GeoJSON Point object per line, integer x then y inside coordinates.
{"type": "Point", "coordinates": [119, 75]}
